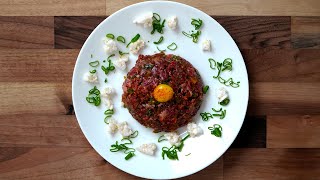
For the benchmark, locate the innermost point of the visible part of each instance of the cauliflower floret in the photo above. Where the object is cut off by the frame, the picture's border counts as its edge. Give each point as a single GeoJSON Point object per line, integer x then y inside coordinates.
{"type": "Point", "coordinates": [193, 129]}
{"type": "Point", "coordinates": [173, 138]}
{"type": "Point", "coordinates": [107, 91]}
{"type": "Point", "coordinates": [124, 129]}
{"type": "Point", "coordinates": [222, 94]}
{"type": "Point", "coordinates": [108, 102]}
{"type": "Point", "coordinates": [91, 77]}
{"type": "Point", "coordinates": [136, 46]}
{"type": "Point", "coordinates": [113, 126]}
{"type": "Point", "coordinates": [110, 45]}
{"type": "Point", "coordinates": [206, 45]}
{"type": "Point", "coordinates": [120, 64]}
{"type": "Point", "coordinates": [148, 149]}
{"type": "Point", "coordinates": [145, 19]}
{"type": "Point", "coordinates": [172, 22]}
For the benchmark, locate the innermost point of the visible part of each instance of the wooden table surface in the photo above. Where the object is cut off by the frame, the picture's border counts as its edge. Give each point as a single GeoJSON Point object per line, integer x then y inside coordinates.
{"type": "Point", "coordinates": [41, 139]}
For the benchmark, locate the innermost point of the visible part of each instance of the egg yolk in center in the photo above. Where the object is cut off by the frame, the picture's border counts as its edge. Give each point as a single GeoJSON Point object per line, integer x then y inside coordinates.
{"type": "Point", "coordinates": [163, 93]}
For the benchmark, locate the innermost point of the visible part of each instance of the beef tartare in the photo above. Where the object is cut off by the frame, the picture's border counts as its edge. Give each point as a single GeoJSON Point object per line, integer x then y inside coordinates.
{"type": "Point", "coordinates": [162, 91]}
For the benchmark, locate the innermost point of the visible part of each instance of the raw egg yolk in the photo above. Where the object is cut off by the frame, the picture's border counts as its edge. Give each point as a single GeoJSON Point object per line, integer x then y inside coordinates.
{"type": "Point", "coordinates": [163, 93]}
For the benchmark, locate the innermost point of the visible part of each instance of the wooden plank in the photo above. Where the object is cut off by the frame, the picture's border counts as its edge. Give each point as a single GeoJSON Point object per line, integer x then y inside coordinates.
{"type": "Point", "coordinates": [305, 32]}
{"type": "Point", "coordinates": [261, 163]}
{"type": "Point", "coordinates": [56, 163]}
{"type": "Point", "coordinates": [26, 32]}
{"type": "Point", "coordinates": [71, 163]}
{"type": "Point", "coordinates": [35, 98]}
{"type": "Point", "coordinates": [268, 98]}
{"type": "Point", "coordinates": [249, 32]}
{"type": "Point", "coordinates": [240, 7]}
{"type": "Point", "coordinates": [71, 32]}
{"type": "Point", "coordinates": [293, 131]}
{"type": "Point", "coordinates": [52, 7]}
{"type": "Point", "coordinates": [282, 65]}
{"type": "Point", "coordinates": [258, 32]}
{"type": "Point", "coordinates": [37, 65]}
{"type": "Point", "coordinates": [252, 133]}
{"type": "Point", "coordinates": [41, 131]}
{"type": "Point", "coordinates": [262, 65]}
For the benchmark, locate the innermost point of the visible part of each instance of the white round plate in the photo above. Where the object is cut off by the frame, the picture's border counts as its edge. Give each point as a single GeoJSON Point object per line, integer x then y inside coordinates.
{"type": "Point", "coordinates": [204, 149]}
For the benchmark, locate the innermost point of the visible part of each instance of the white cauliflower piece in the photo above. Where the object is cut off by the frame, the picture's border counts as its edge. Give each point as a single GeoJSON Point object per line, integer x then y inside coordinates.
{"type": "Point", "coordinates": [172, 22]}
{"type": "Point", "coordinates": [113, 126]}
{"type": "Point", "coordinates": [124, 129]}
{"type": "Point", "coordinates": [110, 45]}
{"type": "Point", "coordinates": [148, 149]}
{"type": "Point", "coordinates": [206, 45]}
{"type": "Point", "coordinates": [136, 46]}
{"type": "Point", "coordinates": [91, 77]}
{"type": "Point", "coordinates": [173, 138]}
{"type": "Point", "coordinates": [193, 129]}
{"type": "Point", "coordinates": [222, 94]}
{"type": "Point", "coordinates": [145, 20]}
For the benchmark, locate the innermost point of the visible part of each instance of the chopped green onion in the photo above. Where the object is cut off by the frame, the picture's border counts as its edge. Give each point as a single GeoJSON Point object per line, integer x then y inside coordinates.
{"type": "Point", "coordinates": [172, 46]}
{"type": "Point", "coordinates": [105, 80]}
{"type": "Point", "coordinates": [225, 65]}
{"type": "Point", "coordinates": [197, 23]}
{"type": "Point", "coordinates": [224, 102]}
{"type": "Point", "coordinates": [160, 50]}
{"type": "Point", "coordinates": [134, 134]}
{"type": "Point", "coordinates": [111, 36]}
{"type": "Point", "coordinates": [194, 36]}
{"type": "Point", "coordinates": [93, 71]}
{"type": "Point", "coordinates": [216, 130]}
{"type": "Point", "coordinates": [94, 63]}
{"type": "Point", "coordinates": [205, 89]}
{"type": "Point", "coordinates": [94, 96]}
{"type": "Point", "coordinates": [123, 147]}
{"type": "Point", "coordinates": [110, 65]}
{"type": "Point", "coordinates": [206, 115]}
{"type": "Point", "coordinates": [108, 113]}
{"type": "Point", "coordinates": [130, 155]}
{"type": "Point", "coordinates": [134, 39]}
{"type": "Point", "coordinates": [156, 24]}
{"type": "Point", "coordinates": [91, 55]}
{"type": "Point", "coordinates": [159, 41]}
{"type": "Point", "coordinates": [122, 53]}
{"type": "Point", "coordinates": [121, 39]}
{"type": "Point", "coordinates": [162, 138]}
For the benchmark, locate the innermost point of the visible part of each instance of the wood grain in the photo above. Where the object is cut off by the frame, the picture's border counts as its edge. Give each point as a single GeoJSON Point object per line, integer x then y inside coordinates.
{"type": "Point", "coordinates": [284, 98]}
{"type": "Point", "coordinates": [71, 163]}
{"type": "Point", "coordinates": [35, 98]}
{"type": "Point", "coordinates": [272, 164]}
{"type": "Point", "coordinates": [240, 7]}
{"type": "Point", "coordinates": [268, 32]}
{"type": "Point", "coordinates": [71, 32]}
{"type": "Point", "coordinates": [305, 32]}
{"type": "Point", "coordinates": [26, 32]}
{"type": "Point", "coordinates": [282, 65]}
{"type": "Point", "coordinates": [44, 65]}
{"type": "Point", "coordinates": [258, 32]}
{"type": "Point", "coordinates": [252, 133]}
{"type": "Point", "coordinates": [293, 131]}
{"type": "Point", "coordinates": [41, 131]}
{"type": "Point", "coordinates": [52, 7]}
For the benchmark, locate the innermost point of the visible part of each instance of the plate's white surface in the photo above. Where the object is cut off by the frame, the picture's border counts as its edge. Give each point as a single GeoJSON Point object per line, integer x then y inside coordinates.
{"type": "Point", "coordinates": [204, 149]}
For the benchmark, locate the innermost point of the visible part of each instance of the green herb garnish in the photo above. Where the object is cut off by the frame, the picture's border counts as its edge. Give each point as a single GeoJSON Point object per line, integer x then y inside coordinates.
{"type": "Point", "coordinates": [225, 65]}
{"type": "Point", "coordinates": [121, 39]}
{"type": "Point", "coordinates": [193, 35]}
{"type": "Point", "coordinates": [159, 41]}
{"type": "Point", "coordinates": [205, 89]}
{"type": "Point", "coordinates": [172, 46]}
{"type": "Point", "coordinates": [162, 138]}
{"type": "Point", "coordinates": [94, 96]}
{"type": "Point", "coordinates": [122, 53]}
{"type": "Point", "coordinates": [134, 39]}
{"type": "Point", "coordinates": [111, 36]}
{"type": "Point", "coordinates": [197, 23]}
{"type": "Point", "coordinates": [123, 147]}
{"type": "Point", "coordinates": [216, 130]}
{"type": "Point", "coordinates": [105, 80]}
{"type": "Point", "coordinates": [94, 63]}
{"type": "Point", "coordinates": [110, 65]}
{"type": "Point", "coordinates": [217, 113]}
{"type": "Point", "coordinates": [224, 102]}
{"type": "Point", "coordinates": [129, 155]}
{"type": "Point", "coordinates": [171, 152]}
{"type": "Point", "coordinates": [93, 71]}
{"type": "Point", "coordinates": [108, 113]}
{"type": "Point", "coordinates": [156, 23]}
{"type": "Point", "coordinates": [160, 49]}
{"type": "Point", "coordinates": [91, 55]}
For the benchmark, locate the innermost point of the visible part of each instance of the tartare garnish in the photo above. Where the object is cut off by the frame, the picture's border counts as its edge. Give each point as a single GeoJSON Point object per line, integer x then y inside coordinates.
{"type": "Point", "coordinates": [173, 46]}
{"type": "Point", "coordinates": [94, 96]}
{"type": "Point", "coordinates": [110, 66]}
{"type": "Point", "coordinates": [156, 23]}
{"type": "Point", "coordinates": [206, 115]}
{"type": "Point", "coordinates": [94, 63]}
{"type": "Point", "coordinates": [111, 36]}
{"type": "Point", "coordinates": [108, 113]}
{"type": "Point", "coordinates": [205, 89]}
{"type": "Point", "coordinates": [225, 65]}
{"type": "Point", "coordinates": [216, 130]}
{"type": "Point", "coordinates": [159, 41]}
{"type": "Point", "coordinates": [134, 39]}
{"type": "Point", "coordinates": [121, 39]}
{"type": "Point", "coordinates": [163, 93]}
